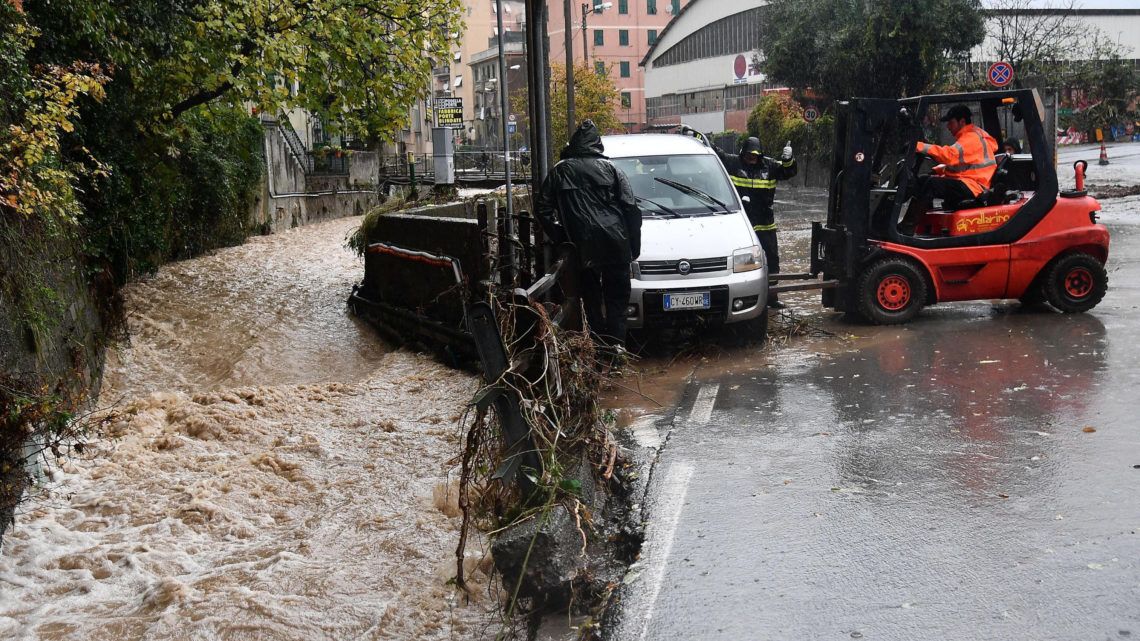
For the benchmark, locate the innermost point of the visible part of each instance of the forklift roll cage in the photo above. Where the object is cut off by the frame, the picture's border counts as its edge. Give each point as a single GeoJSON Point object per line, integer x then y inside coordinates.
{"type": "Point", "coordinates": [862, 127]}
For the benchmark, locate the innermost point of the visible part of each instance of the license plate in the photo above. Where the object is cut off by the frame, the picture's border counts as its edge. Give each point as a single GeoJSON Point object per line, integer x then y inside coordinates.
{"type": "Point", "coordinates": [694, 300]}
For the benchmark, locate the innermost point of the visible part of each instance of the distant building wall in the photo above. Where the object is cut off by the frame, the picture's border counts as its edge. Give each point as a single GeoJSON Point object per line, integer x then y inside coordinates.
{"type": "Point", "coordinates": [290, 198]}
{"type": "Point", "coordinates": [636, 25]}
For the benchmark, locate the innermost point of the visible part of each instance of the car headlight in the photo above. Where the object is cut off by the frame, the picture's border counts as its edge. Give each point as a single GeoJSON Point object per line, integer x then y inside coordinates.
{"type": "Point", "coordinates": [747, 259]}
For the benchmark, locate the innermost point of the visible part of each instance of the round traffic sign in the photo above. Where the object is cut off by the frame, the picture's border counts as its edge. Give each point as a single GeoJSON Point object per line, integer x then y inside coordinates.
{"type": "Point", "coordinates": [740, 66]}
{"type": "Point", "coordinates": [811, 114]}
{"type": "Point", "coordinates": [1000, 74]}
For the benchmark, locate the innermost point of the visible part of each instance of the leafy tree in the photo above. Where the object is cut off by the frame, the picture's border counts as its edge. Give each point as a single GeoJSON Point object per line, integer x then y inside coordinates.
{"type": "Point", "coordinates": [777, 119]}
{"type": "Point", "coordinates": [850, 48]}
{"type": "Point", "coordinates": [595, 98]}
{"type": "Point", "coordinates": [174, 133]}
{"type": "Point", "coordinates": [41, 106]}
{"type": "Point", "coordinates": [360, 62]}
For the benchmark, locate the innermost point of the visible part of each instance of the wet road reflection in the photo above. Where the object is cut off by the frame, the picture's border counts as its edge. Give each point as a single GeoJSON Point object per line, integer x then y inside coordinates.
{"type": "Point", "coordinates": [970, 475]}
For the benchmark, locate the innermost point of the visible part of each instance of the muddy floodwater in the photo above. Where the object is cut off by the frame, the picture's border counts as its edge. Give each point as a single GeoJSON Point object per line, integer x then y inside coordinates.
{"type": "Point", "coordinates": [271, 470]}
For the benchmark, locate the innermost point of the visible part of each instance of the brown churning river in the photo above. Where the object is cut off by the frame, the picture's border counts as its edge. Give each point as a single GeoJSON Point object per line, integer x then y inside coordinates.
{"type": "Point", "coordinates": [273, 470]}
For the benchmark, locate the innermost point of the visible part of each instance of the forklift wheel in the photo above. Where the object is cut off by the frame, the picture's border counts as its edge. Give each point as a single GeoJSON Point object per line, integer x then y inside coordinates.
{"type": "Point", "coordinates": [1075, 283]}
{"type": "Point", "coordinates": [891, 291]}
{"type": "Point", "coordinates": [1033, 297]}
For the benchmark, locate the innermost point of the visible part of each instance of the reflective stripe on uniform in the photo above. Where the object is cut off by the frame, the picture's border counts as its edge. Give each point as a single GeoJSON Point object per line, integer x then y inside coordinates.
{"type": "Point", "coordinates": [787, 163]}
{"type": "Point", "coordinates": [983, 145]}
{"type": "Point", "coordinates": [771, 227]}
{"type": "Point", "coordinates": [754, 183]}
{"type": "Point", "coordinates": [961, 153]}
{"type": "Point", "coordinates": [980, 165]}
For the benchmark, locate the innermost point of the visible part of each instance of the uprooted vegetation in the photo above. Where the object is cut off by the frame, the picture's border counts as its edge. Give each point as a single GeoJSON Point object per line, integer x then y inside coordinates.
{"type": "Point", "coordinates": [560, 538]}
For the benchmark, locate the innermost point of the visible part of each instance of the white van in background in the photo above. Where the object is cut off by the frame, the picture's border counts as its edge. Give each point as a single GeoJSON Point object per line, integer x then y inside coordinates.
{"type": "Point", "coordinates": [700, 261]}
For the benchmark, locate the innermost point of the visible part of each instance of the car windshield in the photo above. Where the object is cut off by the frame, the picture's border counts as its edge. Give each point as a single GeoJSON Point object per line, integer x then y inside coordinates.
{"type": "Point", "coordinates": [702, 172]}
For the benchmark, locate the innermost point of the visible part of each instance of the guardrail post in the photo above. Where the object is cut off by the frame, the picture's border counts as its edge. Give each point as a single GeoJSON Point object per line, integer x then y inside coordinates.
{"type": "Point", "coordinates": [506, 249]}
{"type": "Point", "coordinates": [526, 272]}
{"type": "Point", "coordinates": [484, 232]}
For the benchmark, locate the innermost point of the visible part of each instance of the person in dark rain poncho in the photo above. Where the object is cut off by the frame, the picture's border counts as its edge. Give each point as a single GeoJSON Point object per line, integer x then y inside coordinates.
{"type": "Point", "coordinates": [587, 201]}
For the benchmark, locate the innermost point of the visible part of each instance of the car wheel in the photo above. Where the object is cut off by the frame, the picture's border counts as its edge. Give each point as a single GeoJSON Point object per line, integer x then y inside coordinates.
{"type": "Point", "coordinates": [891, 291]}
{"type": "Point", "coordinates": [1075, 283]}
{"type": "Point", "coordinates": [750, 332]}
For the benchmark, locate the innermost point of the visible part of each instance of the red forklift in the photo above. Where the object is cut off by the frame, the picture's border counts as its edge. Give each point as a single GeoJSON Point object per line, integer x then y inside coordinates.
{"type": "Point", "coordinates": [1022, 238]}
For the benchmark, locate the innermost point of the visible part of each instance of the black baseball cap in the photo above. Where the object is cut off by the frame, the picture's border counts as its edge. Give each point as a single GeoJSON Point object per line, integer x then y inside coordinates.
{"type": "Point", "coordinates": [958, 112]}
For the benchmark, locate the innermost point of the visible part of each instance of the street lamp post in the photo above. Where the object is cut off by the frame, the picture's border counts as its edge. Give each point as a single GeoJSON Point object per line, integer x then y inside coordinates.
{"type": "Point", "coordinates": [586, 10]}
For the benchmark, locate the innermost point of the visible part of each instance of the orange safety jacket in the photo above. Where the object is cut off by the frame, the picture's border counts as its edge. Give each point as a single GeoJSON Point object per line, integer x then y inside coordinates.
{"type": "Point", "coordinates": [969, 160]}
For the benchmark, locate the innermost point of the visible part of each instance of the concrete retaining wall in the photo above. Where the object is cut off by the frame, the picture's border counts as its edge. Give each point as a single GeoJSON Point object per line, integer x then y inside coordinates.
{"type": "Point", "coordinates": [51, 337]}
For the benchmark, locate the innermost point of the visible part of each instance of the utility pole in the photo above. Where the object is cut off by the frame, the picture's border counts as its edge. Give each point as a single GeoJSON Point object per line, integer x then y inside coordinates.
{"type": "Point", "coordinates": [569, 70]}
{"type": "Point", "coordinates": [504, 107]}
{"type": "Point", "coordinates": [585, 46]}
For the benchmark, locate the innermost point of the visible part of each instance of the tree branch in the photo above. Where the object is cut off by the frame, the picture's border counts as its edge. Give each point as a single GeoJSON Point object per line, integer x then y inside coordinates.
{"type": "Point", "coordinates": [201, 98]}
{"type": "Point", "coordinates": [206, 95]}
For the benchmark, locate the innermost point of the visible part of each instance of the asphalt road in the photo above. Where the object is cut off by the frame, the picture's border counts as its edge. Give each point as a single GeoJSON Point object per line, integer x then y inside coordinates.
{"type": "Point", "coordinates": [971, 475]}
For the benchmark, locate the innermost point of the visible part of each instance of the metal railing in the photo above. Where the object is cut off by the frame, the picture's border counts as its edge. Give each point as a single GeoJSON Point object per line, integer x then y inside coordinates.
{"type": "Point", "coordinates": [469, 166]}
{"type": "Point", "coordinates": [312, 163]}
{"type": "Point", "coordinates": [295, 145]}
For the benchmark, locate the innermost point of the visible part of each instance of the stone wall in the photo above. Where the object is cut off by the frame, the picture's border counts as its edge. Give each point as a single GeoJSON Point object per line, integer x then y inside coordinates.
{"type": "Point", "coordinates": [289, 198]}
{"type": "Point", "coordinates": [51, 338]}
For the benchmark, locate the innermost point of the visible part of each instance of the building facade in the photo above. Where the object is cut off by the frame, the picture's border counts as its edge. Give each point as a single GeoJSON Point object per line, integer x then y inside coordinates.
{"type": "Point", "coordinates": [700, 70]}
{"type": "Point", "coordinates": [614, 41]}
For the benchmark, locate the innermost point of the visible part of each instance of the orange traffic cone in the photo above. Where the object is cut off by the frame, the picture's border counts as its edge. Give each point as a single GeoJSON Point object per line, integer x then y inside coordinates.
{"type": "Point", "coordinates": [1103, 154]}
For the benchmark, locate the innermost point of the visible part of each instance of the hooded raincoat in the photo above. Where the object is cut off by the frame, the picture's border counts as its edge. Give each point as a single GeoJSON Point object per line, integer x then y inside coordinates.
{"type": "Point", "coordinates": [587, 201]}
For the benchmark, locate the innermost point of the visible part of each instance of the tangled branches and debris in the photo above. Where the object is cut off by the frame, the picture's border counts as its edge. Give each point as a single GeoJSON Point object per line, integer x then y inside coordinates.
{"type": "Point", "coordinates": [558, 539]}
{"type": "Point", "coordinates": [787, 324]}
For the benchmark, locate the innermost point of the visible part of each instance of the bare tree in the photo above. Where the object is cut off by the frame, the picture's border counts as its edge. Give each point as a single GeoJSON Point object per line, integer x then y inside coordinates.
{"type": "Point", "coordinates": [1048, 46]}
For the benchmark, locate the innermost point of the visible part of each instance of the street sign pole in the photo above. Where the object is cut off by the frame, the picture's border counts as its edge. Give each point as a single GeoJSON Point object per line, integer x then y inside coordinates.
{"type": "Point", "coordinates": [503, 112]}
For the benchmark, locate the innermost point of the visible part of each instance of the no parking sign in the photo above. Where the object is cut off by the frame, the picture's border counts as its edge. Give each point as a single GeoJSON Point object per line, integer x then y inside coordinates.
{"type": "Point", "coordinates": [1000, 74]}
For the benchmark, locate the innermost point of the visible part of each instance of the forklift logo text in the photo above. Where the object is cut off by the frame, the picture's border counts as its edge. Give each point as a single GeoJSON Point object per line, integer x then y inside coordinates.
{"type": "Point", "coordinates": [984, 221]}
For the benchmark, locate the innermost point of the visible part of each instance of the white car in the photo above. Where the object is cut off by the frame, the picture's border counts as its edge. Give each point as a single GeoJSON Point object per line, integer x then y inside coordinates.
{"type": "Point", "coordinates": [700, 260]}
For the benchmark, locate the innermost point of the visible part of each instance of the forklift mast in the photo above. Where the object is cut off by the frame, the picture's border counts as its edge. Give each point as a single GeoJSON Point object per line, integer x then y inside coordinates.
{"type": "Point", "coordinates": [840, 246]}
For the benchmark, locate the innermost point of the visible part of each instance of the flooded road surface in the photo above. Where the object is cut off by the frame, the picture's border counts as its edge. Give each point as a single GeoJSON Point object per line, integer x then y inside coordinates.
{"type": "Point", "coordinates": [971, 475]}
{"type": "Point", "coordinates": [272, 471]}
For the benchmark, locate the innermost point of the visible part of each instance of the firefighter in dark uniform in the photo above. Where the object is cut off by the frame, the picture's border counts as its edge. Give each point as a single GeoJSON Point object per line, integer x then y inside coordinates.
{"type": "Point", "coordinates": [755, 176]}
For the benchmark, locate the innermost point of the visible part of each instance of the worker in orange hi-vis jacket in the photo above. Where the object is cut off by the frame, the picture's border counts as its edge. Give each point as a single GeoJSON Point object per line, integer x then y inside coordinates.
{"type": "Point", "coordinates": [965, 167]}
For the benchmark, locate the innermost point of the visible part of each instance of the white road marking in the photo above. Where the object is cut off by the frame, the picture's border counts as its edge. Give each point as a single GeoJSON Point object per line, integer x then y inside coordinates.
{"type": "Point", "coordinates": [663, 528]}
{"type": "Point", "coordinates": [703, 406]}
{"type": "Point", "coordinates": [644, 431]}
